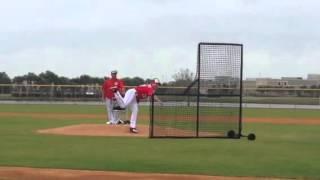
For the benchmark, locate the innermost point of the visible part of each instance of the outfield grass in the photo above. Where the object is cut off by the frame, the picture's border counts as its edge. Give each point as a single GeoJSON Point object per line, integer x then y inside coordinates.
{"type": "Point", "coordinates": [53, 108]}
{"type": "Point", "coordinates": [279, 151]}
{"type": "Point", "coordinates": [281, 113]}
{"type": "Point", "coordinates": [99, 109]}
{"type": "Point", "coordinates": [282, 100]}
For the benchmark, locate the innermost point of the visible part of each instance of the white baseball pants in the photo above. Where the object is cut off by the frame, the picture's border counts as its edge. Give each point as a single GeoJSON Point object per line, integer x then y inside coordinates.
{"type": "Point", "coordinates": [129, 100]}
{"type": "Point", "coordinates": [113, 116]}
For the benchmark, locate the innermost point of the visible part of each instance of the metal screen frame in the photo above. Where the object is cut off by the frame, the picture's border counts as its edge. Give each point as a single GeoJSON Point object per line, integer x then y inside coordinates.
{"type": "Point", "coordinates": [199, 95]}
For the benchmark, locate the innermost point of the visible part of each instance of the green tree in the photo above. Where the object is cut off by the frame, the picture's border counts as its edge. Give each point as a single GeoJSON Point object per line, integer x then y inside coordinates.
{"type": "Point", "coordinates": [133, 81]}
{"type": "Point", "coordinates": [31, 77]}
{"type": "Point", "coordinates": [183, 78]}
{"type": "Point", "coordinates": [49, 77]}
{"type": "Point", "coordinates": [4, 78]}
{"type": "Point", "coordinates": [86, 79]}
{"type": "Point", "coordinates": [97, 80]}
{"type": "Point", "coordinates": [18, 79]}
{"type": "Point", "coordinates": [64, 80]}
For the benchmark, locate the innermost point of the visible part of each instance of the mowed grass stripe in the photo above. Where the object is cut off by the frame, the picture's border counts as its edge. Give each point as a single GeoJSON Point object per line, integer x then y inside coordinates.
{"type": "Point", "coordinates": [279, 151]}
{"type": "Point", "coordinates": [144, 110]}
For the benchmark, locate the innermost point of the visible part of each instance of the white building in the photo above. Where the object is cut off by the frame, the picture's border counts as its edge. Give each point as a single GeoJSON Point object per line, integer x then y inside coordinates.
{"type": "Point", "coordinates": [315, 77]}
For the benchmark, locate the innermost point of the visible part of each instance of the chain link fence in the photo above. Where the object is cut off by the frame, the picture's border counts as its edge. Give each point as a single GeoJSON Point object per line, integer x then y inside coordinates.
{"type": "Point", "coordinates": [27, 92]}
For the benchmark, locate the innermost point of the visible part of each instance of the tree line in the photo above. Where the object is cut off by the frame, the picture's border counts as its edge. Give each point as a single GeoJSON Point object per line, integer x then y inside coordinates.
{"type": "Point", "coordinates": [182, 77]}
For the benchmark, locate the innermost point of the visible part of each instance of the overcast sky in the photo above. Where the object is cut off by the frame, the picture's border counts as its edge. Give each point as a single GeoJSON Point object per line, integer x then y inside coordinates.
{"type": "Point", "coordinates": [156, 38]}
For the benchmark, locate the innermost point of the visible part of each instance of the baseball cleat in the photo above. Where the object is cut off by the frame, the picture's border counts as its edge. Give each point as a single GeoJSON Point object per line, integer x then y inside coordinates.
{"type": "Point", "coordinates": [118, 108]}
{"type": "Point", "coordinates": [133, 130]}
{"type": "Point", "coordinates": [126, 122]}
{"type": "Point", "coordinates": [120, 122]}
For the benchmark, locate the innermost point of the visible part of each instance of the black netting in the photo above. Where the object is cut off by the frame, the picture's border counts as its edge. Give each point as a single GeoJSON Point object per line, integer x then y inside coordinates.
{"type": "Point", "coordinates": [211, 105]}
{"type": "Point", "coordinates": [220, 88]}
{"type": "Point", "coordinates": [176, 116]}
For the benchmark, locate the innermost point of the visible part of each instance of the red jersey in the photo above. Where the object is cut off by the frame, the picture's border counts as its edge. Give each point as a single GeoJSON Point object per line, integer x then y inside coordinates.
{"type": "Point", "coordinates": [107, 92]}
{"type": "Point", "coordinates": [145, 90]}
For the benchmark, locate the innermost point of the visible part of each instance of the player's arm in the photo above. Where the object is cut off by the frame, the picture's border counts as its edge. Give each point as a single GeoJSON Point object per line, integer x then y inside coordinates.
{"type": "Point", "coordinates": [155, 97]}
{"type": "Point", "coordinates": [122, 88]}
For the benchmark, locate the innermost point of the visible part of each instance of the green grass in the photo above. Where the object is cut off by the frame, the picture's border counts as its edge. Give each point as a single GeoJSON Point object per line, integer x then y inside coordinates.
{"type": "Point", "coordinates": [279, 151]}
{"type": "Point", "coordinates": [281, 113]}
{"type": "Point", "coordinates": [282, 100]}
{"type": "Point", "coordinates": [57, 108]}
{"type": "Point", "coordinates": [99, 109]}
{"type": "Point", "coordinates": [52, 108]}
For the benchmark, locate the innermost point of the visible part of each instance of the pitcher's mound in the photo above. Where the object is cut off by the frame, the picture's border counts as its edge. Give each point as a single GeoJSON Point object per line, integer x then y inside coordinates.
{"type": "Point", "coordinates": [97, 130]}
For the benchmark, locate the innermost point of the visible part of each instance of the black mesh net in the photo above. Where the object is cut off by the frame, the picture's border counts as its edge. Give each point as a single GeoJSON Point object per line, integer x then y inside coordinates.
{"type": "Point", "coordinates": [220, 88]}
{"type": "Point", "coordinates": [176, 116]}
{"type": "Point", "coordinates": [208, 107]}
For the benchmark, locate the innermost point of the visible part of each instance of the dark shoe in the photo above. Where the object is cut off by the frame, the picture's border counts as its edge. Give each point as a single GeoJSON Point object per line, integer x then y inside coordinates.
{"type": "Point", "coordinates": [126, 122]}
{"type": "Point", "coordinates": [118, 108]}
{"type": "Point", "coordinates": [120, 122]}
{"type": "Point", "coordinates": [133, 130]}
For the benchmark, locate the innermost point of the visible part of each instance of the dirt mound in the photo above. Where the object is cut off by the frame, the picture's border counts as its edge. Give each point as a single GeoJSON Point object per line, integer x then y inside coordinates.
{"type": "Point", "coordinates": [64, 174]}
{"type": "Point", "coordinates": [66, 116]}
{"type": "Point", "coordinates": [97, 130]}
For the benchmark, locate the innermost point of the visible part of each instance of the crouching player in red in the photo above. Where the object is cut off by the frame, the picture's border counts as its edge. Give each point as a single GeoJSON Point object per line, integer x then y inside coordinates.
{"type": "Point", "coordinates": [132, 98]}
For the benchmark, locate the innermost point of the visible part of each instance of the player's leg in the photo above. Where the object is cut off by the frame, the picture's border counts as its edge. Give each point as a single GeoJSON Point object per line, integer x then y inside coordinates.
{"type": "Point", "coordinates": [116, 116]}
{"type": "Point", "coordinates": [109, 107]}
{"type": "Point", "coordinates": [115, 112]}
{"type": "Point", "coordinates": [119, 99]}
{"type": "Point", "coordinates": [127, 99]}
{"type": "Point", "coordinates": [134, 107]}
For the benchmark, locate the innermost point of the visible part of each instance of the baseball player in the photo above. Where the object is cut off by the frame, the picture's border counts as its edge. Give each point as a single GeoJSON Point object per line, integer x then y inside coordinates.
{"type": "Point", "coordinates": [108, 96]}
{"type": "Point", "coordinates": [132, 98]}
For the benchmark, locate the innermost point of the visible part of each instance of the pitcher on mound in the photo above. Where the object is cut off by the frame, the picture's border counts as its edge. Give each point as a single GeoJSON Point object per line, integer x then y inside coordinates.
{"type": "Point", "coordinates": [132, 98]}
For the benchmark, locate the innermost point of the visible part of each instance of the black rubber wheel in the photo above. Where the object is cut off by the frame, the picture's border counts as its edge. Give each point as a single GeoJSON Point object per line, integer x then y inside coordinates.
{"type": "Point", "coordinates": [251, 137]}
{"type": "Point", "coordinates": [231, 134]}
